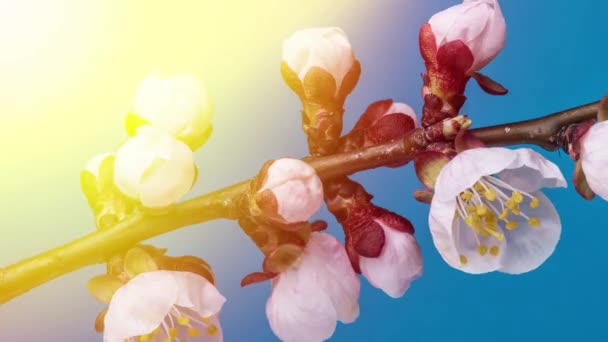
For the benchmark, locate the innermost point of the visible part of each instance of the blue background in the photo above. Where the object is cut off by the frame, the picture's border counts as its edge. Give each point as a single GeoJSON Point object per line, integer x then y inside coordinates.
{"type": "Point", "coordinates": [554, 58]}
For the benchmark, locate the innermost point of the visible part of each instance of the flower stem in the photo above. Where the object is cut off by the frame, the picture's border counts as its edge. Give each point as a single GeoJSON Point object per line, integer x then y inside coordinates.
{"type": "Point", "coordinates": [98, 246]}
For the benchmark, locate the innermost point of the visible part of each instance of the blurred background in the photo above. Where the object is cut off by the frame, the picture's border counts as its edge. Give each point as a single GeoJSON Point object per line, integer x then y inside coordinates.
{"type": "Point", "coordinates": [68, 73]}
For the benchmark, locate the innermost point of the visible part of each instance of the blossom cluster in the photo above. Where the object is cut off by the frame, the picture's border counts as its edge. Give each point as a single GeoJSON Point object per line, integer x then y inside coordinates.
{"type": "Point", "coordinates": [487, 209]}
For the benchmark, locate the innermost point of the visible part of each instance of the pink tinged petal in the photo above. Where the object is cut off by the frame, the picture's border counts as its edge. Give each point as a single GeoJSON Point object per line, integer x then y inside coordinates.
{"type": "Point", "coordinates": [594, 158]}
{"type": "Point", "coordinates": [335, 274]}
{"type": "Point", "coordinates": [140, 306]}
{"type": "Point", "coordinates": [529, 247]}
{"type": "Point", "coordinates": [308, 298]}
{"type": "Point", "coordinates": [296, 187]}
{"type": "Point", "coordinates": [478, 23]}
{"type": "Point", "coordinates": [198, 294]}
{"type": "Point", "coordinates": [298, 313]}
{"type": "Point", "coordinates": [399, 263]}
{"type": "Point", "coordinates": [530, 171]}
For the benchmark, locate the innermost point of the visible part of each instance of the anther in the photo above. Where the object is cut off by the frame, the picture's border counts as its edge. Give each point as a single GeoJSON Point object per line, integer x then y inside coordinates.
{"type": "Point", "coordinates": [534, 222]}
{"type": "Point", "coordinates": [534, 203]}
{"type": "Point", "coordinates": [494, 250]}
{"type": "Point", "coordinates": [511, 225]}
{"type": "Point", "coordinates": [482, 249]}
{"type": "Point", "coordinates": [212, 330]}
{"type": "Point", "coordinates": [463, 259]}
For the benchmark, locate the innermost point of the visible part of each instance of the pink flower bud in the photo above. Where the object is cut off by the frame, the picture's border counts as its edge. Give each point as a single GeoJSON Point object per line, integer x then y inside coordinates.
{"type": "Point", "coordinates": [477, 23]}
{"type": "Point", "coordinates": [594, 158]}
{"type": "Point", "coordinates": [291, 189]}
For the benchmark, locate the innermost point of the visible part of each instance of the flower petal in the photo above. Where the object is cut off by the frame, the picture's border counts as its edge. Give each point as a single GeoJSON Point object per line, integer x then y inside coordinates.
{"type": "Point", "coordinates": [399, 263]}
{"type": "Point", "coordinates": [198, 294]}
{"type": "Point", "coordinates": [467, 168]}
{"type": "Point", "coordinates": [297, 312]}
{"type": "Point", "coordinates": [594, 158]}
{"type": "Point", "coordinates": [529, 247]}
{"type": "Point", "coordinates": [310, 296]}
{"type": "Point", "coordinates": [140, 306]}
{"type": "Point", "coordinates": [326, 47]}
{"type": "Point", "coordinates": [530, 171]}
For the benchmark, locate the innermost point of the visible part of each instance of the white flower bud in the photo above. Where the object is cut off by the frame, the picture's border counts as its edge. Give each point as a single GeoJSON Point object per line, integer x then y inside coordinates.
{"type": "Point", "coordinates": [297, 190]}
{"type": "Point", "coordinates": [477, 23]}
{"type": "Point", "coordinates": [327, 48]}
{"type": "Point", "coordinates": [594, 158]}
{"type": "Point", "coordinates": [154, 167]}
{"type": "Point", "coordinates": [177, 104]}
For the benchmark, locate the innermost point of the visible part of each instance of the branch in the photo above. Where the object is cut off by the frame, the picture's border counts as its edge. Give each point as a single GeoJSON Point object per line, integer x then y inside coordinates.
{"type": "Point", "coordinates": [99, 246]}
{"type": "Point", "coordinates": [543, 131]}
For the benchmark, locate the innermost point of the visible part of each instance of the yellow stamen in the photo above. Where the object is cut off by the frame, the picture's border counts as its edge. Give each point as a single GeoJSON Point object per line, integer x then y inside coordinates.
{"type": "Point", "coordinates": [212, 330]}
{"type": "Point", "coordinates": [517, 197]}
{"type": "Point", "coordinates": [482, 249]}
{"type": "Point", "coordinates": [478, 187]}
{"type": "Point", "coordinates": [490, 194]}
{"type": "Point", "coordinates": [481, 210]}
{"type": "Point", "coordinates": [144, 338]}
{"type": "Point", "coordinates": [467, 195]}
{"type": "Point", "coordinates": [494, 250]}
{"type": "Point", "coordinates": [206, 319]}
{"type": "Point", "coordinates": [504, 214]}
{"type": "Point", "coordinates": [183, 320]}
{"type": "Point", "coordinates": [193, 332]}
{"type": "Point", "coordinates": [534, 203]}
{"type": "Point", "coordinates": [511, 225]}
{"type": "Point", "coordinates": [534, 222]}
{"type": "Point", "coordinates": [463, 259]}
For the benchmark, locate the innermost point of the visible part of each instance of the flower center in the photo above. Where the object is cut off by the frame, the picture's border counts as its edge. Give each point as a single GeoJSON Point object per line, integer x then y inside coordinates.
{"type": "Point", "coordinates": [178, 326]}
{"type": "Point", "coordinates": [489, 204]}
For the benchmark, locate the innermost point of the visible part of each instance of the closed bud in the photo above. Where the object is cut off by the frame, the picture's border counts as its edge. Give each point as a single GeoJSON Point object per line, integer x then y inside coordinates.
{"type": "Point", "coordinates": [325, 48]}
{"type": "Point", "coordinates": [594, 158]}
{"type": "Point", "coordinates": [154, 168]}
{"type": "Point", "coordinates": [177, 104]}
{"type": "Point", "coordinates": [290, 191]}
{"type": "Point", "coordinates": [479, 24]}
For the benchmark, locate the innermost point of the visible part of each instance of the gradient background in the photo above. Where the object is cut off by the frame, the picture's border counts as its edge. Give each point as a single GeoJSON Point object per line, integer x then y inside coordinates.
{"type": "Point", "coordinates": [69, 70]}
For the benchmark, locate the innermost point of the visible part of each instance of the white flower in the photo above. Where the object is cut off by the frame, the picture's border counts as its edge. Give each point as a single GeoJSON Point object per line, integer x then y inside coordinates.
{"type": "Point", "coordinates": [161, 305]}
{"type": "Point", "coordinates": [327, 48]}
{"type": "Point", "coordinates": [477, 23]}
{"type": "Point", "coordinates": [488, 214]}
{"type": "Point", "coordinates": [178, 104]}
{"type": "Point", "coordinates": [315, 292]}
{"type": "Point", "coordinates": [399, 263]}
{"type": "Point", "coordinates": [297, 191]}
{"type": "Point", "coordinates": [154, 167]}
{"type": "Point", "coordinates": [594, 158]}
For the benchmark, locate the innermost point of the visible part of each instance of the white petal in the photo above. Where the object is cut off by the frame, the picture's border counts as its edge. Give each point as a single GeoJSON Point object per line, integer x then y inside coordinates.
{"type": "Point", "coordinates": [327, 48]}
{"type": "Point", "coordinates": [335, 274]}
{"type": "Point", "coordinates": [458, 239]}
{"type": "Point", "coordinates": [154, 167]}
{"type": "Point", "coordinates": [399, 107]}
{"type": "Point", "coordinates": [594, 158]}
{"type": "Point", "coordinates": [467, 168]}
{"type": "Point", "coordinates": [530, 171]}
{"type": "Point", "coordinates": [308, 298]}
{"type": "Point", "coordinates": [529, 247]}
{"type": "Point", "coordinates": [177, 104]}
{"type": "Point", "coordinates": [399, 263]}
{"type": "Point", "coordinates": [140, 306]}
{"type": "Point", "coordinates": [198, 294]}
{"type": "Point", "coordinates": [298, 313]}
